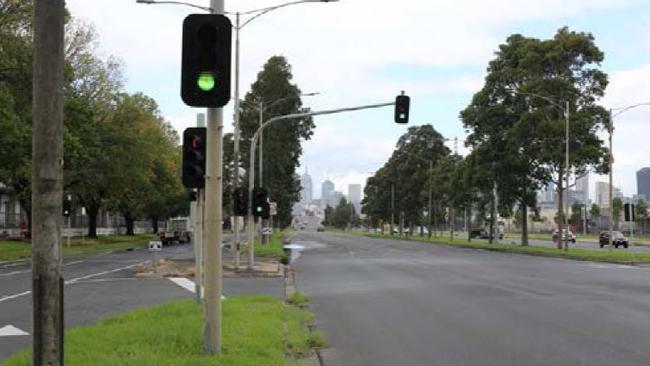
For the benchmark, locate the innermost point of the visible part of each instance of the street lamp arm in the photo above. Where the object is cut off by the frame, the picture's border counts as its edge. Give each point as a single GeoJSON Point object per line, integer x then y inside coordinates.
{"type": "Point", "coordinates": [625, 109]}
{"type": "Point", "coordinates": [259, 12]}
{"type": "Point", "coordinates": [208, 9]}
{"type": "Point", "coordinates": [548, 99]}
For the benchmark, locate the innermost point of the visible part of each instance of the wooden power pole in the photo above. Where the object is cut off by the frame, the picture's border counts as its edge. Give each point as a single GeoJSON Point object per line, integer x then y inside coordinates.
{"type": "Point", "coordinates": [47, 183]}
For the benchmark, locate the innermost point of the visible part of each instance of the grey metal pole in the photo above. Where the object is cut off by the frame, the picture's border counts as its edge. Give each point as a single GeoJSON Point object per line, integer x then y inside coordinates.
{"type": "Point", "coordinates": [611, 179]}
{"type": "Point", "coordinates": [392, 207]}
{"type": "Point", "coordinates": [260, 163]}
{"type": "Point", "coordinates": [213, 230]}
{"type": "Point", "coordinates": [430, 189]}
{"type": "Point", "coordinates": [47, 182]}
{"type": "Point", "coordinates": [198, 244]}
{"type": "Point", "coordinates": [568, 174]}
{"type": "Point", "coordinates": [234, 247]}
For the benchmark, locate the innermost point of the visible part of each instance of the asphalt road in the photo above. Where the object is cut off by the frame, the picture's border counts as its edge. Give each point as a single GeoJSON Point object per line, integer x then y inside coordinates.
{"type": "Point", "coordinates": [101, 285]}
{"type": "Point", "coordinates": [389, 302]}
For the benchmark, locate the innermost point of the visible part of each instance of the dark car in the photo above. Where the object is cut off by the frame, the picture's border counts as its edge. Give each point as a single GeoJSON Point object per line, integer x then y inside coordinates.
{"type": "Point", "coordinates": [320, 228]}
{"type": "Point", "coordinates": [617, 239]}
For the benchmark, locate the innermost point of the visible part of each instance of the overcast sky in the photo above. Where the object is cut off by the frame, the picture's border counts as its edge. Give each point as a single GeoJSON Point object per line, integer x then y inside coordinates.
{"type": "Point", "coordinates": [365, 51]}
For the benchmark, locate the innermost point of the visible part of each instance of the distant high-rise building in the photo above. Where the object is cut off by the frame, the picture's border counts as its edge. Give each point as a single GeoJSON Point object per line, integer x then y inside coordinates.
{"type": "Point", "coordinates": [354, 195]}
{"type": "Point", "coordinates": [306, 193]}
{"type": "Point", "coordinates": [547, 193]}
{"type": "Point", "coordinates": [602, 194]}
{"type": "Point", "coordinates": [326, 189]}
{"type": "Point", "coordinates": [643, 182]}
{"type": "Point", "coordinates": [582, 187]}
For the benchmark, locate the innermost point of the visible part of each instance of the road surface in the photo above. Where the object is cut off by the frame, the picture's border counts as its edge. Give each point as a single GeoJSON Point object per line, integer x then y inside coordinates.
{"type": "Point", "coordinates": [390, 302]}
{"type": "Point", "coordinates": [99, 286]}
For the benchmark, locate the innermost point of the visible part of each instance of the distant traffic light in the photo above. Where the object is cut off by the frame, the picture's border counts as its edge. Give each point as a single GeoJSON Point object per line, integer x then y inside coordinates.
{"type": "Point", "coordinates": [67, 206]}
{"type": "Point", "coordinates": [240, 202]}
{"type": "Point", "coordinates": [402, 105]}
{"type": "Point", "coordinates": [260, 204]}
{"type": "Point", "coordinates": [194, 145]}
{"type": "Point", "coordinates": [629, 212]}
{"type": "Point", "coordinates": [205, 75]}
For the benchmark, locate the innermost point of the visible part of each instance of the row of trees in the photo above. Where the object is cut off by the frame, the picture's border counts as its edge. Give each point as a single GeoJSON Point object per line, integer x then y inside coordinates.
{"type": "Point", "coordinates": [120, 153]}
{"type": "Point", "coordinates": [342, 216]}
{"type": "Point", "coordinates": [516, 127]}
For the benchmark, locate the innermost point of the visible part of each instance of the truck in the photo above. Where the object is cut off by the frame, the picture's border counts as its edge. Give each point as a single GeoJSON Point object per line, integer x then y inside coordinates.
{"type": "Point", "coordinates": [177, 231]}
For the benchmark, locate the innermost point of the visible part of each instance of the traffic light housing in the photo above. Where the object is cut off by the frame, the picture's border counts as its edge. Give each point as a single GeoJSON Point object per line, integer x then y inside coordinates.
{"type": "Point", "coordinates": [402, 105]}
{"type": "Point", "coordinates": [205, 75]}
{"type": "Point", "coordinates": [67, 207]}
{"type": "Point", "coordinates": [194, 145]}
{"type": "Point", "coordinates": [630, 215]}
{"type": "Point", "coordinates": [240, 202]}
{"type": "Point", "coordinates": [260, 205]}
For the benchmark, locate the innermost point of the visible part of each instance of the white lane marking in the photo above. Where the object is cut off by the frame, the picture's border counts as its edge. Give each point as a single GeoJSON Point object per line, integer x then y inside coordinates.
{"type": "Point", "coordinates": [29, 270]}
{"type": "Point", "coordinates": [72, 281]}
{"type": "Point", "coordinates": [188, 285]}
{"type": "Point", "coordinates": [10, 330]}
{"type": "Point", "coordinates": [14, 296]}
{"type": "Point", "coordinates": [13, 265]}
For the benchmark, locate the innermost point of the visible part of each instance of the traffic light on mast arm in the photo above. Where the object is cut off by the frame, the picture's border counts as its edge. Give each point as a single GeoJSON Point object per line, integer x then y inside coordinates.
{"type": "Point", "coordinates": [402, 105]}
{"type": "Point", "coordinates": [205, 75]}
{"type": "Point", "coordinates": [194, 146]}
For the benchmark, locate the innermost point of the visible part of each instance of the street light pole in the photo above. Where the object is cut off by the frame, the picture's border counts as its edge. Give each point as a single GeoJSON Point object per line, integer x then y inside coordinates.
{"type": "Point", "coordinates": [234, 246]}
{"type": "Point", "coordinates": [568, 172]}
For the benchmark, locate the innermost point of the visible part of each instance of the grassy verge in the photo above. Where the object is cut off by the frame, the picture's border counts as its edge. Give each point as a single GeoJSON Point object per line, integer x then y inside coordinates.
{"type": "Point", "coordinates": [613, 256]}
{"type": "Point", "coordinates": [274, 247]}
{"type": "Point", "coordinates": [257, 330]}
{"type": "Point", "coordinates": [14, 250]}
{"type": "Point", "coordinates": [642, 240]}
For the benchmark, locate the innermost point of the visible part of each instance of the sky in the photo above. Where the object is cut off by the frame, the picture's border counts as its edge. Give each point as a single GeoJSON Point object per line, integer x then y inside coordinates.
{"type": "Point", "coordinates": [356, 52]}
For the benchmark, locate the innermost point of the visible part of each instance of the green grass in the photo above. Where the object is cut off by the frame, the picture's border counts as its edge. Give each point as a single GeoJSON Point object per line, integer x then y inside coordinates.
{"type": "Point", "coordinates": [257, 330]}
{"type": "Point", "coordinates": [274, 247]}
{"type": "Point", "coordinates": [14, 250]}
{"type": "Point", "coordinates": [298, 299]}
{"type": "Point", "coordinates": [643, 240]}
{"type": "Point", "coordinates": [613, 256]}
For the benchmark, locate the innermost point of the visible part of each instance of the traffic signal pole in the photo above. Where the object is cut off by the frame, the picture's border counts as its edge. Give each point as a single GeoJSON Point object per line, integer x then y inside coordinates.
{"type": "Point", "coordinates": [251, 163]}
{"type": "Point", "coordinates": [47, 183]}
{"type": "Point", "coordinates": [213, 226]}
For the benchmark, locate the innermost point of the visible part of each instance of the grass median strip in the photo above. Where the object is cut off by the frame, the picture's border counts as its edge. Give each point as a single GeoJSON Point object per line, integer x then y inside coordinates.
{"type": "Point", "coordinates": [14, 250]}
{"type": "Point", "coordinates": [619, 256]}
{"type": "Point", "coordinates": [257, 330]}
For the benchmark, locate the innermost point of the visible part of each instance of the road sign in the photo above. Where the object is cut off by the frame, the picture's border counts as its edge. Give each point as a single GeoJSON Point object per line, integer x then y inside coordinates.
{"type": "Point", "coordinates": [155, 246]}
{"type": "Point", "coordinates": [273, 208]}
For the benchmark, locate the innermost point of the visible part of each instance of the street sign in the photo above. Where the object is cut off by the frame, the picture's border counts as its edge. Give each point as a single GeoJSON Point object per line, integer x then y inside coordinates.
{"type": "Point", "coordinates": [273, 208]}
{"type": "Point", "coordinates": [155, 246]}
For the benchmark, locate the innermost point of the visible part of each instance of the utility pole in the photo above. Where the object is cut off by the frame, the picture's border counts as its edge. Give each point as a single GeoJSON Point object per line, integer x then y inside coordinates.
{"type": "Point", "coordinates": [568, 174]}
{"type": "Point", "coordinates": [392, 208]}
{"type": "Point", "coordinates": [261, 164]}
{"type": "Point", "coordinates": [611, 179]}
{"type": "Point", "coordinates": [199, 208]}
{"type": "Point", "coordinates": [213, 223]}
{"type": "Point", "coordinates": [47, 183]}
{"type": "Point", "coordinates": [234, 247]}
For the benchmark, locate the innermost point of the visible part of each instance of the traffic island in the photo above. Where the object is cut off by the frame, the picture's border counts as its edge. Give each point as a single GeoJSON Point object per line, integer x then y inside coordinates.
{"type": "Point", "coordinates": [257, 330]}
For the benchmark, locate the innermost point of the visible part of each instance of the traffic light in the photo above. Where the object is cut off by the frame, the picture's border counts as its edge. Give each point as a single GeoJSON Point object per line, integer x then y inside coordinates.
{"type": "Point", "coordinates": [240, 202]}
{"type": "Point", "coordinates": [194, 140]}
{"type": "Point", "coordinates": [67, 207]}
{"type": "Point", "coordinates": [402, 104]}
{"type": "Point", "coordinates": [205, 75]}
{"type": "Point", "coordinates": [260, 204]}
{"type": "Point", "coordinates": [629, 212]}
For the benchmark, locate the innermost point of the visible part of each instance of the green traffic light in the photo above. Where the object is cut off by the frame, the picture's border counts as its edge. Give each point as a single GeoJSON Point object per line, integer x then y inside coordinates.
{"type": "Point", "coordinates": [259, 209]}
{"type": "Point", "coordinates": [206, 81]}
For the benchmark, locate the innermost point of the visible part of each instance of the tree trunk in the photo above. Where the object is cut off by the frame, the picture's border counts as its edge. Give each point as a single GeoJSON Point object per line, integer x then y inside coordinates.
{"type": "Point", "coordinates": [154, 225]}
{"type": "Point", "coordinates": [451, 223]}
{"type": "Point", "coordinates": [93, 211]}
{"type": "Point", "coordinates": [493, 214]}
{"type": "Point", "coordinates": [524, 224]}
{"type": "Point", "coordinates": [128, 219]}
{"type": "Point", "coordinates": [469, 223]}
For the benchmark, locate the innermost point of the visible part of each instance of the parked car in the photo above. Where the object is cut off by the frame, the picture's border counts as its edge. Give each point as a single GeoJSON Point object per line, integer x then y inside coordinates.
{"type": "Point", "coordinates": [617, 239]}
{"type": "Point", "coordinates": [484, 233]}
{"type": "Point", "coordinates": [566, 236]}
{"type": "Point", "coordinates": [320, 228]}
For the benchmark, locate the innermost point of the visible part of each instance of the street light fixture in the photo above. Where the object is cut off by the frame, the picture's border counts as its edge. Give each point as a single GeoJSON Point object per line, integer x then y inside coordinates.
{"type": "Point", "coordinates": [611, 162]}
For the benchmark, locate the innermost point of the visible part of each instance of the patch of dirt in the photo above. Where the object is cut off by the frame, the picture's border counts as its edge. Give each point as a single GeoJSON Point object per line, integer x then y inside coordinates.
{"type": "Point", "coordinates": [185, 268]}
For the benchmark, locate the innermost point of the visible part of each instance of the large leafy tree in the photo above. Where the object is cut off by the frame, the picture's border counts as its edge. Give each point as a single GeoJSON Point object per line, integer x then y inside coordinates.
{"type": "Point", "coordinates": [519, 113]}
{"type": "Point", "coordinates": [407, 175]}
{"type": "Point", "coordinates": [275, 91]}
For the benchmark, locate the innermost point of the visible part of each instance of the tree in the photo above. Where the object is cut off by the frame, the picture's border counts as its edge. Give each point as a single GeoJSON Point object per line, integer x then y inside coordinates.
{"type": "Point", "coordinates": [617, 209]}
{"type": "Point", "coordinates": [344, 215]}
{"type": "Point", "coordinates": [641, 209]}
{"type": "Point", "coordinates": [282, 141]}
{"type": "Point", "coordinates": [519, 113]}
{"type": "Point", "coordinates": [576, 214]}
{"type": "Point", "coordinates": [594, 214]}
